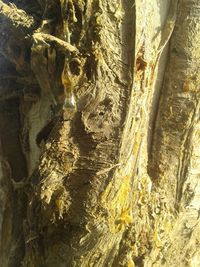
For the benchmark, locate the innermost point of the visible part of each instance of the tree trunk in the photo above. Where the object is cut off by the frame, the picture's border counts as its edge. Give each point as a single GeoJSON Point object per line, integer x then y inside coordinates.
{"type": "Point", "coordinates": [99, 133]}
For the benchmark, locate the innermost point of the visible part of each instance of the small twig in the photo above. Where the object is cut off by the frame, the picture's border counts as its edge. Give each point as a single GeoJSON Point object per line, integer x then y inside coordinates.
{"type": "Point", "coordinates": [31, 239]}
{"type": "Point", "coordinates": [44, 37]}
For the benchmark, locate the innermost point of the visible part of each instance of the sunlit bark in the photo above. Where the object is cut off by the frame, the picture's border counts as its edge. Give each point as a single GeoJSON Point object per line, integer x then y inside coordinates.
{"type": "Point", "coordinates": [99, 133]}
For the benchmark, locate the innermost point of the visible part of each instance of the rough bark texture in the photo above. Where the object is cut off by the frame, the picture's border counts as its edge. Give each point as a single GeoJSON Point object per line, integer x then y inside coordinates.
{"type": "Point", "coordinates": [98, 140]}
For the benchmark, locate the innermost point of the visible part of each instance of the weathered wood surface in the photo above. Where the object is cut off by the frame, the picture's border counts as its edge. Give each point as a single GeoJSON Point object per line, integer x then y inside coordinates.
{"type": "Point", "coordinates": [99, 166]}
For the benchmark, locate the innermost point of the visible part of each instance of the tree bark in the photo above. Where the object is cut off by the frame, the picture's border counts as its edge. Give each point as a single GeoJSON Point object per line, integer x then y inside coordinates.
{"type": "Point", "coordinates": [99, 132]}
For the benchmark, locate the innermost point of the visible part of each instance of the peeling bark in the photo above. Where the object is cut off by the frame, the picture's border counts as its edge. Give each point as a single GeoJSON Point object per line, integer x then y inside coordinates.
{"type": "Point", "coordinates": [99, 164]}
